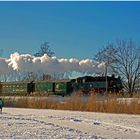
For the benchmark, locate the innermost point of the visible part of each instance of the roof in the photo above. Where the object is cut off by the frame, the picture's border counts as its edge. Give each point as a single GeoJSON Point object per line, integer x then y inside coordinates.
{"type": "Point", "coordinates": [43, 81]}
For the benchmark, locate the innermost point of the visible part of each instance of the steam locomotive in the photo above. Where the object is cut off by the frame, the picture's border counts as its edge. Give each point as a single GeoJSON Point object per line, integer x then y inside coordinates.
{"type": "Point", "coordinates": [82, 85]}
{"type": "Point", "coordinates": [99, 84]}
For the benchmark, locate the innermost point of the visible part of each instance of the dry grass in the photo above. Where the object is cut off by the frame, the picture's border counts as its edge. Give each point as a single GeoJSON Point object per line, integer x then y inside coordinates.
{"type": "Point", "coordinates": [112, 104]}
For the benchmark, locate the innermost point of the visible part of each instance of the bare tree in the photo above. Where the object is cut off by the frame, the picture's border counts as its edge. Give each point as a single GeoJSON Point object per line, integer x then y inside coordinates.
{"type": "Point", "coordinates": [44, 49]}
{"type": "Point", "coordinates": [106, 55]}
{"type": "Point", "coordinates": [124, 59]}
{"type": "Point", "coordinates": [128, 63]}
{"type": "Point", "coordinates": [31, 76]}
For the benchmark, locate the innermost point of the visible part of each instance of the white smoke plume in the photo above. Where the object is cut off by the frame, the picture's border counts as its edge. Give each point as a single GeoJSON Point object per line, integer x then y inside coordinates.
{"type": "Point", "coordinates": [4, 68]}
{"type": "Point", "coordinates": [26, 63]}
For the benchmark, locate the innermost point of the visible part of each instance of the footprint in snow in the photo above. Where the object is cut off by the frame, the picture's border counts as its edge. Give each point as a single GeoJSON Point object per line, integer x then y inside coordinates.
{"type": "Point", "coordinates": [96, 122]}
{"type": "Point", "coordinates": [75, 120]}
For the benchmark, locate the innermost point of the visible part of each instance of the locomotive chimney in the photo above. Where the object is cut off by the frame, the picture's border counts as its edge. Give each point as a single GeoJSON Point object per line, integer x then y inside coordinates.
{"type": "Point", "coordinates": [113, 75]}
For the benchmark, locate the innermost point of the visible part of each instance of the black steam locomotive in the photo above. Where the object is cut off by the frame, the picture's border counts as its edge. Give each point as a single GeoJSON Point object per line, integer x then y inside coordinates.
{"type": "Point", "coordinates": [98, 84]}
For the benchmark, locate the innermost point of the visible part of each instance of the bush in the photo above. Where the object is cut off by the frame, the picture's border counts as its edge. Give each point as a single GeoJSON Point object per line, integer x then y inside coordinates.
{"type": "Point", "coordinates": [110, 104]}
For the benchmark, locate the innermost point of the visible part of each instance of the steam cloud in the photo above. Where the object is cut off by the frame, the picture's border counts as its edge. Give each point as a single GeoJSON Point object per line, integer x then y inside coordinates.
{"type": "Point", "coordinates": [47, 65]}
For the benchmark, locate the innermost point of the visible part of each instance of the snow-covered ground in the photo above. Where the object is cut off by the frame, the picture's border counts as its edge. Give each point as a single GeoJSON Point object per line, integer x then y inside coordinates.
{"type": "Point", "coordinates": [18, 123]}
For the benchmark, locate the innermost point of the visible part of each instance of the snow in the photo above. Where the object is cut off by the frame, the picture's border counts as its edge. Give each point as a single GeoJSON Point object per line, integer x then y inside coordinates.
{"type": "Point", "coordinates": [17, 123]}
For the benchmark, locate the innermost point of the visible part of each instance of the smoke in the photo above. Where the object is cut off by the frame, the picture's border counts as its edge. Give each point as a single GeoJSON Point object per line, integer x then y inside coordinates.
{"type": "Point", "coordinates": [4, 68]}
{"type": "Point", "coordinates": [26, 63]}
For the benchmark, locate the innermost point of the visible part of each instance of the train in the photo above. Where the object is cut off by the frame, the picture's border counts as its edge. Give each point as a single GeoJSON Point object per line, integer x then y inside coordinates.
{"type": "Point", "coordinates": [83, 85]}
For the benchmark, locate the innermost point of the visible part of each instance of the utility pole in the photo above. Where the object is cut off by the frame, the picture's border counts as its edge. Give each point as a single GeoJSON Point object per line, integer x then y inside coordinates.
{"type": "Point", "coordinates": [106, 65]}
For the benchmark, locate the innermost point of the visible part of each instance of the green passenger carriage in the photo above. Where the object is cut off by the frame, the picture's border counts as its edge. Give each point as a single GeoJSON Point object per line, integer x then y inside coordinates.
{"type": "Point", "coordinates": [51, 87]}
{"type": "Point", "coordinates": [13, 88]}
{"type": "Point", "coordinates": [57, 87]}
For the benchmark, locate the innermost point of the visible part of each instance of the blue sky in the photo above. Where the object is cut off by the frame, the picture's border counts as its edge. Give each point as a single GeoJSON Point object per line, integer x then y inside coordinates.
{"type": "Point", "coordinates": [74, 29]}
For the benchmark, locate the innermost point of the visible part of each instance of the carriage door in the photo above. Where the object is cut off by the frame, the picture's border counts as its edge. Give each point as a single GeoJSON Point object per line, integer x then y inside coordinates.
{"type": "Point", "coordinates": [30, 87]}
{"type": "Point", "coordinates": [53, 89]}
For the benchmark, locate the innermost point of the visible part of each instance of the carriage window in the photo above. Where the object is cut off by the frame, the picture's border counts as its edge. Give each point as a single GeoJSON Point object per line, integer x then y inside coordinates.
{"type": "Point", "coordinates": [57, 86]}
{"type": "Point", "coordinates": [90, 85]}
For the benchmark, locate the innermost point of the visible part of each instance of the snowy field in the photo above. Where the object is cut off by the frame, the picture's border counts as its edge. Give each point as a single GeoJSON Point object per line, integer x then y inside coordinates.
{"type": "Point", "coordinates": [18, 123]}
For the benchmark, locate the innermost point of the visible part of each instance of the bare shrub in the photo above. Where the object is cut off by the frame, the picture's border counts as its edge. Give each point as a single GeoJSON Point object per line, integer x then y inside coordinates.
{"type": "Point", "coordinates": [111, 104]}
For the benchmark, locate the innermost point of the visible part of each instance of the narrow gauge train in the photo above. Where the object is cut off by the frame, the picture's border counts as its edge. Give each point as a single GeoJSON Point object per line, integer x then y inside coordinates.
{"type": "Point", "coordinates": [83, 85]}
